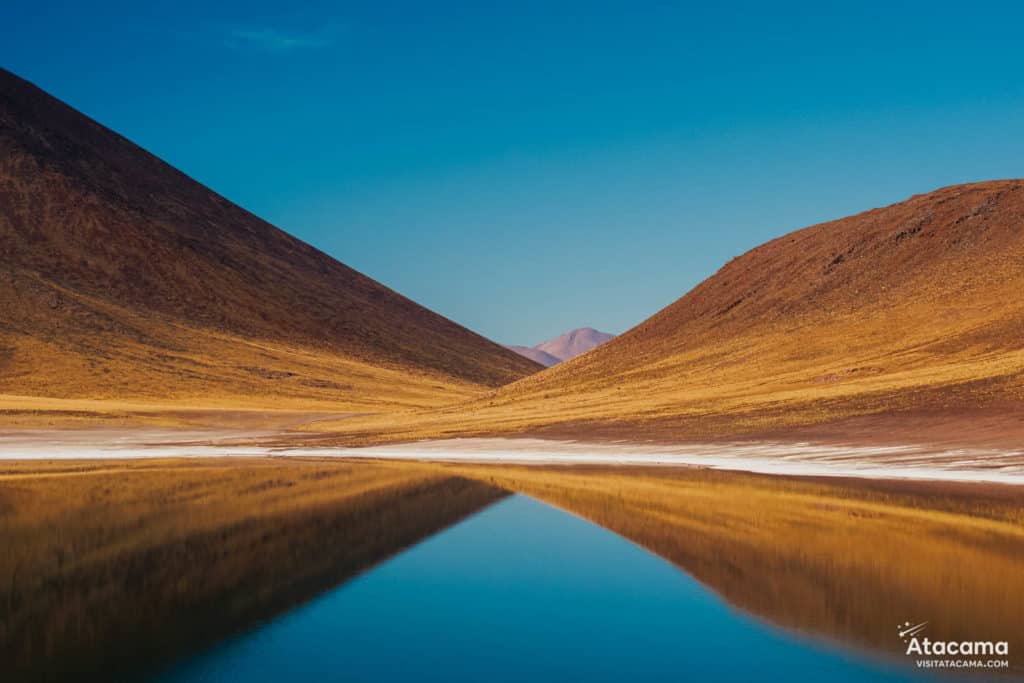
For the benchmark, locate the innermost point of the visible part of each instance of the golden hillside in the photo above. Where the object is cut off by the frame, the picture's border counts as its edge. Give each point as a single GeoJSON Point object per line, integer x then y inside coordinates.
{"type": "Point", "coordinates": [914, 311]}
{"type": "Point", "coordinates": [124, 282]}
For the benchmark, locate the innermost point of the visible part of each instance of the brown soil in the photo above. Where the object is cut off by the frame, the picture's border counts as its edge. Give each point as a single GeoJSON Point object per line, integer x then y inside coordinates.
{"type": "Point", "coordinates": [907, 318]}
{"type": "Point", "coordinates": [121, 277]}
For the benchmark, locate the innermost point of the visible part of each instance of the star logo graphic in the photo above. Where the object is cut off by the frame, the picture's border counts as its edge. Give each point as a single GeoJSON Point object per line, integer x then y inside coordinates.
{"type": "Point", "coordinates": [906, 630]}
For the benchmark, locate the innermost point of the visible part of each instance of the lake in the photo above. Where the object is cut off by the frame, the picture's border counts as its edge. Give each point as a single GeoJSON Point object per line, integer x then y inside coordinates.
{"type": "Point", "coordinates": [229, 569]}
{"type": "Point", "coordinates": [524, 591]}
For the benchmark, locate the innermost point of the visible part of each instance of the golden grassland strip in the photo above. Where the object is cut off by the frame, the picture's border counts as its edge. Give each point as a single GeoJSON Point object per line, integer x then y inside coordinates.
{"type": "Point", "coordinates": [235, 389]}
{"type": "Point", "coordinates": [773, 378]}
{"type": "Point", "coordinates": [161, 361]}
{"type": "Point", "coordinates": [722, 390]}
{"type": "Point", "coordinates": [20, 412]}
{"type": "Point", "coordinates": [142, 562]}
{"type": "Point", "coordinates": [846, 560]}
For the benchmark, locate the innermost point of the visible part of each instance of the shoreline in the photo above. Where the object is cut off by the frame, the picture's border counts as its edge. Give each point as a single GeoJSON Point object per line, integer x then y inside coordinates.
{"type": "Point", "coordinates": [770, 457]}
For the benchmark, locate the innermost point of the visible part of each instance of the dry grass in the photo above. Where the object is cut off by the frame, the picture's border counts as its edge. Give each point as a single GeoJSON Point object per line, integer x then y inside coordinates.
{"type": "Point", "coordinates": [66, 367]}
{"type": "Point", "coordinates": [913, 307]}
{"type": "Point", "coordinates": [117, 565]}
{"type": "Point", "coordinates": [123, 280]}
{"type": "Point", "coordinates": [847, 561]}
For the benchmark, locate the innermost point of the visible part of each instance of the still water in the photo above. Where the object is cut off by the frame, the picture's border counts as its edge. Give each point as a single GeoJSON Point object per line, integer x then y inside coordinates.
{"type": "Point", "coordinates": [523, 591]}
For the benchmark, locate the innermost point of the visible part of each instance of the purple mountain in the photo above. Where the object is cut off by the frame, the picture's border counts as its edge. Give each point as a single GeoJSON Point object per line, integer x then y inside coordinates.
{"type": "Point", "coordinates": [569, 345]}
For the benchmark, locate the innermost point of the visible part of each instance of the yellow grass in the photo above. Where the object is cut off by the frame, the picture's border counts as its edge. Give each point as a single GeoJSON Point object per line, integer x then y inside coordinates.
{"type": "Point", "coordinates": [51, 383]}
{"type": "Point", "coordinates": [913, 307]}
{"type": "Point", "coordinates": [820, 376]}
{"type": "Point", "coordinates": [232, 377]}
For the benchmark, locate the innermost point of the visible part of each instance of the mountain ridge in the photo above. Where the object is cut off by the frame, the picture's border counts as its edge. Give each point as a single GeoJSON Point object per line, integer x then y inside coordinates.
{"type": "Point", "coordinates": [535, 354]}
{"type": "Point", "coordinates": [563, 347]}
{"type": "Point", "coordinates": [124, 278]}
{"type": "Point", "coordinates": [912, 309]}
{"type": "Point", "coordinates": [574, 342]}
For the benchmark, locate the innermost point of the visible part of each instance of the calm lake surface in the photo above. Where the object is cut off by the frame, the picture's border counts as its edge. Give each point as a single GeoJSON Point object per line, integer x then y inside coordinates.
{"type": "Point", "coordinates": [523, 591]}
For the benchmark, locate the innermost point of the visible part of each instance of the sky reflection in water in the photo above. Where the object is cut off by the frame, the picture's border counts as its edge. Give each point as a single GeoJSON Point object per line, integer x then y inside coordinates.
{"type": "Point", "coordinates": [519, 592]}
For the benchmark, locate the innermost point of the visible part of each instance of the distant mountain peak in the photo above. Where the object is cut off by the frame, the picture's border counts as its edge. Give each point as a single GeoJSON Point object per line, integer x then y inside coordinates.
{"type": "Point", "coordinates": [534, 354]}
{"type": "Point", "coordinates": [562, 348]}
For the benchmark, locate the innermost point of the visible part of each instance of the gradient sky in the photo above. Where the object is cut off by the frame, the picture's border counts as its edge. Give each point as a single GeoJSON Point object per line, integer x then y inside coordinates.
{"type": "Point", "coordinates": [539, 166]}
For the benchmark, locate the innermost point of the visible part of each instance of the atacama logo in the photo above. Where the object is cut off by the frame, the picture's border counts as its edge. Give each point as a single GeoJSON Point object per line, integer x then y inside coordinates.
{"type": "Point", "coordinates": [907, 631]}
{"type": "Point", "coordinates": [951, 654]}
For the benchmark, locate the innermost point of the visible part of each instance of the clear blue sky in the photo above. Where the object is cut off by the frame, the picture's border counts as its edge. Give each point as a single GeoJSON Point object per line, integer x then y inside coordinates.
{"type": "Point", "coordinates": [541, 166]}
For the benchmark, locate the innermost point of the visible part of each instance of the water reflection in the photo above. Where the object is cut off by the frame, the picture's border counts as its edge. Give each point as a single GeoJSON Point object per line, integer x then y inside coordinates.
{"type": "Point", "coordinates": [846, 561]}
{"type": "Point", "coordinates": [105, 573]}
{"type": "Point", "coordinates": [113, 570]}
{"type": "Point", "coordinates": [521, 592]}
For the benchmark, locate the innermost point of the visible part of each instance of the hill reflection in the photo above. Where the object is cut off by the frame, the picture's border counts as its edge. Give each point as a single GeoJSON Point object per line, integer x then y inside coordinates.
{"type": "Point", "coordinates": [847, 561]}
{"type": "Point", "coordinates": [117, 567]}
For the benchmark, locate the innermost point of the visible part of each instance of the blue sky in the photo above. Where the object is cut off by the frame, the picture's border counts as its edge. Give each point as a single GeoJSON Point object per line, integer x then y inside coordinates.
{"type": "Point", "coordinates": [539, 166]}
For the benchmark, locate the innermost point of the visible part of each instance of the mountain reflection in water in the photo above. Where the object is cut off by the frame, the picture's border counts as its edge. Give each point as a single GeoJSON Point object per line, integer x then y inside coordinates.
{"type": "Point", "coordinates": [521, 592]}
{"type": "Point", "coordinates": [845, 560]}
{"type": "Point", "coordinates": [113, 568]}
{"type": "Point", "coordinates": [124, 572]}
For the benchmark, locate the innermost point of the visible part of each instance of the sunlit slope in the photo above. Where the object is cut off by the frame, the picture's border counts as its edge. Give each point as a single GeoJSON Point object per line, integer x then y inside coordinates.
{"type": "Point", "coordinates": [122, 278]}
{"type": "Point", "coordinates": [918, 306]}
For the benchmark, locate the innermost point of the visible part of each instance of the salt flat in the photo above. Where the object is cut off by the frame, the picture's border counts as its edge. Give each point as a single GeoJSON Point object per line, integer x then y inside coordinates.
{"type": "Point", "coordinates": [802, 459]}
{"type": "Point", "coordinates": [780, 458]}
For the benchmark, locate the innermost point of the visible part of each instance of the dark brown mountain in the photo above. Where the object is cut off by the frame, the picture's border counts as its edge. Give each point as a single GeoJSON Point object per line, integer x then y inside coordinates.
{"type": "Point", "coordinates": [121, 278]}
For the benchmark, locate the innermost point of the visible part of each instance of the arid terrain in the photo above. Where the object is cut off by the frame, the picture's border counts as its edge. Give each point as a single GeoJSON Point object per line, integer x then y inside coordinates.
{"type": "Point", "coordinates": [130, 291]}
{"type": "Point", "coordinates": [229, 454]}
{"type": "Point", "coordinates": [132, 294]}
{"type": "Point", "coordinates": [888, 325]}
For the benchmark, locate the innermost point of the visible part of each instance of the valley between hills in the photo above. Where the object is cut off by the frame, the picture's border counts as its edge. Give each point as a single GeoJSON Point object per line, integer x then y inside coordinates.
{"type": "Point", "coordinates": [529, 342]}
{"type": "Point", "coordinates": [133, 295]}
{"type": "Point", "coordinates": [787, 433]}
{"type": "Point", "coordinates": [900, 323]}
